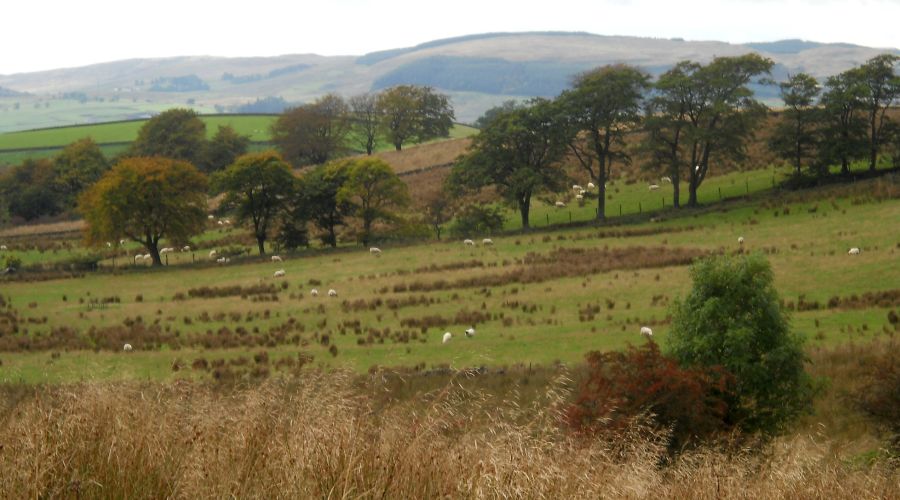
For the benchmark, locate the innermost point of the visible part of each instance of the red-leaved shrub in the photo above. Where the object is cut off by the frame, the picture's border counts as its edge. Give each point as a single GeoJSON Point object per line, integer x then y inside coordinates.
{"type": "Point", "coordinates": [623, 385]}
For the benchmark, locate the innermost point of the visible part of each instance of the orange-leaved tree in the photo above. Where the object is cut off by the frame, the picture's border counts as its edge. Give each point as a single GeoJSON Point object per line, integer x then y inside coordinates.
{"type": "Point", "coordinates": [145, 200]}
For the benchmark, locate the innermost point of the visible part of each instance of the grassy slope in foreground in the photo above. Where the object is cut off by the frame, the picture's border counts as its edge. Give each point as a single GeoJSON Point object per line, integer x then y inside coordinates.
{"type": "Point", "coordinates": [806, 241]}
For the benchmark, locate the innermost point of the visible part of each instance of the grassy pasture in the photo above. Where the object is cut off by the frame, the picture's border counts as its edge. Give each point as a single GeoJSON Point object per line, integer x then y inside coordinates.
{"type": "Point", "coordinates": [559, 316]}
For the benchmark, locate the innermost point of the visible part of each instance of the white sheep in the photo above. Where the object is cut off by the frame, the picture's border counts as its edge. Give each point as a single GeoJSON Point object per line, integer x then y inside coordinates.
{"type": "Point", "coordinates": [375, 251]}
{"type": "Point", "coordinates": [853, 251]}
{"type": "Point", "coordinates": [666, 179]}
{"type": "Point", "coordinates": [447, 337]}
{"type": "Point", "coordinates": [740, 240]}
{"type": "Point", "coordinates": [126, 348]}
{"type": "Point", "coordinates": [579, 197]}
{"type": "Point", "coordinates": [220, 223]}
{"type": "Point", "coordinates": [576, 187]}
{"type": "Point", "coordinates": [332, 293]}
{"type": "Point", "coordinates": [221, 260]}
{"type": "Point", "coordinates": [210, 217]}
{"type": "Point", "coordinates": [186, 248]}
{"type": "Point", "coordinates": [227, 221]}
{"type": "Point", "coordinates": [276, 258]}
{"type": "Point", "coordinates": [108, 245]}
{"type": "Point", "coordinates": [147, 256]}
{"type": "Point", "coordinates": [139, 257]}
{"type": "Point", "coordinates": [279, 273]}
{"type": "Point", "coordinates": [560, 204]}
{"type": "Point", "coordinates": [591, 185]}
{"type": "Point", "coordinates": [697, 168]}
{"type": "Point", "coordinates": [212, 254]}
{"type": "Point", "coordinates": [3, 247]}
{"type": "Point", "coordinates": [314, 292]}
{"type": "Point", "coordinates": [646, 331]}
{"type": "Point", "coordinates": [470, 332]}
{"type": "Point", "coordinates": [469, 243]}
{"type": "Point", "coordinates": [487, 241]}
{"type": "Point", "coordinates": [654, 187]}
{"type": "Point", "coordinates": [121, 242]}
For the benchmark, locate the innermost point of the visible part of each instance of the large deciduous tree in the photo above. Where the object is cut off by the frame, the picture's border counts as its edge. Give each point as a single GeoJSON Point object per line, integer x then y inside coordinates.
{"type": "Point", "coordinates": [317, 199]}
{"type": "Point", "coordinates": [28, 190]}
{"type": "Point", "coordinates": [79, 165]}
{"type": "Point", "coordinates": [374, 191]}
{"type": "Point", "coordinates": [414, 113]}
{"type": "Point", "coordinates": [259, 186]}
{"type": "Point", "coordinates": [602, 107]}
{"type": "Point", "coordinates": [366, 120]}
{"type": "Point", "coordinates": [224, 148]}
{"type": "Point", "coordinates": [795, 135]}
{"type": "Point", "coordinates": [881, 88]}
{"type": "Point", "coordinates": [146, 199]}
{"type": "Point", "coordinates": [313, 133]}
{"type": "Point", "coordinates": [177, 133]}
{"type": "Point", "coordinates": [519, 152]}
{"type": "Point", "coordinates": [666, 123]}
{"type": "Point", "coordinates": [723, 113]}
{"type": "Point", "coordinates": [843, 128]}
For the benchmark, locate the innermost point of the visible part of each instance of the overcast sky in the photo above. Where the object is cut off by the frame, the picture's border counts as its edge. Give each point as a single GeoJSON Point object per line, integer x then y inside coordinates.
{"type": "Point", "coordinates": [42, 34]}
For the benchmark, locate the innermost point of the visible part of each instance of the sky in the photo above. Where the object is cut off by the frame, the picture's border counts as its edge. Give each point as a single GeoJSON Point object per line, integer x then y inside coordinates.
{"type": "Point", "coordinates": [41, 34]}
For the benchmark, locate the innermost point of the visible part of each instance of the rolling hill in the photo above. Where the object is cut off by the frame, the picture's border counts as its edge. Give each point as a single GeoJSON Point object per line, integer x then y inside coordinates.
{"type": "Point", "coordinates": [478, 71]}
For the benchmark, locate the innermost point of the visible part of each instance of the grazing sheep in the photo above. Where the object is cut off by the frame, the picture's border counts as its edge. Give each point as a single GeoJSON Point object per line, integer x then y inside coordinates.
{"type": "Point", "coordinates": [212, 254]}
{"type": "Point", "coordinates": [108, 245]}
{"type": "Point", "coordinates": [276, 258]}
{"type": "Point", "coordinates": [279, 274]}
{"type": "Point", "coordinates": [740, 240]}
{"type": "Point", "coordinates": [591, 185]}
{"type": "Point", "coordinates": [579, 197]}
{"type": "Point", "coordinates": [186, 248]}
{"type": "Point", "coordinates": [147, 256]}
{"type": "Point", "coordinates": [666, 179]}
{"type": "Point", "coordinates": [447, 337]}
{"type": "Point", "coordinates": [138, 257]}
{"type": "Point", "coordinates": [560, 204]}
{"type": "Point", "coordinates": [227, 221]}
{"type": "Point", "coordinates": [314, 292]}
{"type": "Point", "coordinates": [210, 217]}
{"type": "Point", "coordinates": [3, 247]}
{"type": "Point", "coordinates": [576, 187]}
{"type": "Point", "coordinates": [375, 251]}
{"type": "Point", "coordinates": [221, 260]}
{"type": "Point", "coordinates": [487, 241]}
{"type": "Point", "coordinates": [470, 332]}
{"type": "Point", "coordinates": [332, 293]}
{"type": "Point", "coordinates": [469, 243]}
{"type": "Point", "coordinates": [853, 251]}
{"type": "Point", "coordinates": [697, 168]}
{"type": "Point", "coordinates": [220, 223]}
{"type": "Point", "coordinates": [654, 187]}
{"type": "Point", "coordinates": [126, 347]}
{"type": "Point", "coordinates": [646, 331]}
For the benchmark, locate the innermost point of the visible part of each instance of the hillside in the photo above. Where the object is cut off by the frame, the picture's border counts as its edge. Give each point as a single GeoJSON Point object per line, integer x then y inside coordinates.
{"type": "Point", "coordinates": [477, 71]}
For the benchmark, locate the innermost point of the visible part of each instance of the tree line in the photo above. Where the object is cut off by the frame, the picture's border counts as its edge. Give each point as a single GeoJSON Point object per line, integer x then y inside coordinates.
{"type": "Point", "coordinates": [328, 128]}
{"type": "Point", "coordinates": [693, 117]}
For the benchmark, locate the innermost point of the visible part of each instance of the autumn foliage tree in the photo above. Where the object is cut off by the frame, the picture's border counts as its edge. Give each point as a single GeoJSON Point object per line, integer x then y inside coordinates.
{"type": "Point", "coordinates": [145, 200]}
{"type": "Point", "coordinates": [373, 191]}
{"type": "Point", "coordinates": [176, 133]}
{"type": "Point", "coordinates": [313, 133]}
{"type": "Point", "coordinates": [258, 186]}
{"type": "Point", "coordinates": [414, 113]}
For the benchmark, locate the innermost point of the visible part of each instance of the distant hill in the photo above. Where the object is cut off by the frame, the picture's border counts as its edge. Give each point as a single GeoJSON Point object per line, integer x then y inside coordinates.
{"type": "Point", "coordinates": [477, 71]}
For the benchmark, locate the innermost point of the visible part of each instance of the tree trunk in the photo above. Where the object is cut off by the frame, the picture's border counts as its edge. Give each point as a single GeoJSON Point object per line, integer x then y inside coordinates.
{"type": "Point", "coordinates": [261, 243]}
{"type": "Point", "coordinates": [398, 146]}
{"type": "Point", "coordinates": [524, 208]}
{"type": "Point", "coordinates": [676, 190]}
{"type": "Point", "coordinates": [154, 252]}
{"type": "Point", "coordinates": [367, 229]}
{"type": "Point", "coordinates": [332, 237]}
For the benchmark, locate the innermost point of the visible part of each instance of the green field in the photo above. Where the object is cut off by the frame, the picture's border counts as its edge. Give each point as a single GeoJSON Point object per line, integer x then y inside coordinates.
{"type": "Point", "coordinates": [43, 143]}
{"type": "Point", "coordinates": [805, 237]}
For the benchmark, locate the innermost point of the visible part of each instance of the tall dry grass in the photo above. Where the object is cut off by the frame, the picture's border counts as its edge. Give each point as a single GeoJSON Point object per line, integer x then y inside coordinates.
{"type": "Point", "coordinates": [322, 436]}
